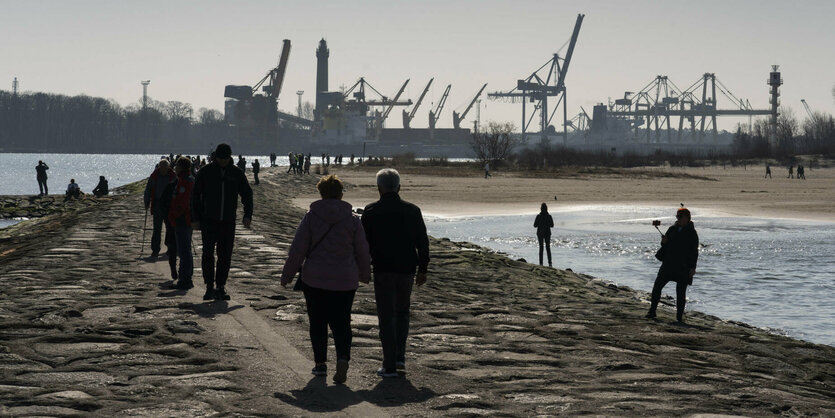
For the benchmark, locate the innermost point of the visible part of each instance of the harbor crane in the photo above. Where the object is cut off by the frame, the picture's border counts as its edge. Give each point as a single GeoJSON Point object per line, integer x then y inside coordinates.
{"type": "Point", "coordinates": [276, 75]}
{"type": "Point", "coordinates": [808, 110]}
{"type": "Point", "coordinates": [538, 88]}
{"type": "Point", "coordinates": [456, 118]}
{"type": "Point", "coordinates": [408, 116]}
{"type": "Point", "coordinates": [436, 114]}
{"type": "Point", "coordinates": [385, 114]}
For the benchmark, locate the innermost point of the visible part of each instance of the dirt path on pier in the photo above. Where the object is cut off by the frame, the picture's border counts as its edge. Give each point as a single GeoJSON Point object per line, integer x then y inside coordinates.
{"type": "Point", "coordinates": [87, 327]}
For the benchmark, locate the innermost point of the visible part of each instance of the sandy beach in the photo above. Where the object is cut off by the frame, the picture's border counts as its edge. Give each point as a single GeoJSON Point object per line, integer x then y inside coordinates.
{"type": "Point", "coordinates": [87, 327]}
{"type": "Point", "coordinates": [733, 191]}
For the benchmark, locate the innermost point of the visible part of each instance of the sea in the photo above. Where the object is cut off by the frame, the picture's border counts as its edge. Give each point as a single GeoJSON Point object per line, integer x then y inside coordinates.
{"type": "Point", "coordinates": [777, 274]}
{"type": "Point", "coordinates": [773, 273]}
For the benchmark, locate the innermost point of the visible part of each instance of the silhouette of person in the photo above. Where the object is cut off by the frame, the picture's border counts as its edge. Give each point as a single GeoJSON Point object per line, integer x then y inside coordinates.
{"type": "Point", "coordinates": [768, 171]}
{"type": "Point", "coordinates": [101, 189]}
{"type": "Point", "coordinates": [543, 224]}
{"type": "Point", "coordinates": [678, 254]}
{"type": "Point", "coordinates": [791, 172]}
{"type": "Point", "coordinates": [40, 169]}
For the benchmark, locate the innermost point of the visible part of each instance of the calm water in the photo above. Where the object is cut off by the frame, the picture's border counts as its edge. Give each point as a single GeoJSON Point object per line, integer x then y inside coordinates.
{"type": "Point", "coordinates": [18, 174]}
{"type": "Point", "coordinates": [773, 273]}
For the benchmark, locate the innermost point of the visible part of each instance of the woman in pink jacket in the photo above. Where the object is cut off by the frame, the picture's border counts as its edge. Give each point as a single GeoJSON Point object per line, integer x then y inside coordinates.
{"type": "Point", "coordinates": [330, 241]}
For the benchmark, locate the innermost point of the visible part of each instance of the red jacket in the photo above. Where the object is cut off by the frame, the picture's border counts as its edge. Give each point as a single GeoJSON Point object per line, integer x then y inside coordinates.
{"type": "Point", "coordinates": [181, 199]}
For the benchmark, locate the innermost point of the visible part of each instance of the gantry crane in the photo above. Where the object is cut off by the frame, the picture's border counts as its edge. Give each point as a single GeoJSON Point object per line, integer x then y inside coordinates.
{"type": "Point", "coordinates": [536, 89]}
{"type": "Point", "coordinates": [408, 116]}
{"type": "Point", "coordinates": [436, 114]}
{"type": "Point", "coordinates": [456, 118]}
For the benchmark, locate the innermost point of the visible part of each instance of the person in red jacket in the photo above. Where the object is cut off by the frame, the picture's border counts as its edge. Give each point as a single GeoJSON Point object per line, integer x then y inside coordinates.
{"type": "Point", "coordinates": [176, 202]}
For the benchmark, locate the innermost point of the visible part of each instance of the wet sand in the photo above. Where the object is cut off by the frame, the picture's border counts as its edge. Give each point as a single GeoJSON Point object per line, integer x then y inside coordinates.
{"type": "Point", "coordinates": [732, 191]}
{"type": "Point", "coordinates": [86, 327]}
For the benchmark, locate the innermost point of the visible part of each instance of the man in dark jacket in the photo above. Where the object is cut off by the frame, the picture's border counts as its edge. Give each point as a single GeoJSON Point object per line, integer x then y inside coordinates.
{"type": "Point", "coordinates": [679, 254]}
{"type": "Point", "coordinates": [157, 182]}
{"type": "Point", "coordinates": [256, 168]}
{"type": "Point", "coordinates": [40, 169]}
{"type": "Point", "coordinates": [399, 245]}
{"type": "Point", "coordinates": [214, 203]}
{"type": "Point", "coordinates": [543, 224]}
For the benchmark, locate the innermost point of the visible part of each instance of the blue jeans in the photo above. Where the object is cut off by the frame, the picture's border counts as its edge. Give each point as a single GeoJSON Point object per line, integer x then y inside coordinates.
{"type": "Point", "coordinates": [182, 233]}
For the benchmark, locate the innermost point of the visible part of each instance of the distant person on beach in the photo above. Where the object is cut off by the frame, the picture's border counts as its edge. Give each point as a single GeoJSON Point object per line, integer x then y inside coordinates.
{"type": "Point", "coordinates": [801, 172]}
{"type": "Point", "coordinates": [399, 246]}
{"type": "Point", "coordinates": [487, 170]}
{"type": "Point", "coordinates": [242, 163]}
{"type": "Point", "coordinates": [300, 163]}
{"type": "Point", "coordinates": [678, 255]}
{"type": "Point", "coordinates": [767, 171]}
{"type": "Point", "coordinates": [292, 159]}
{"type": "Point", "coordinates": [331, 253]}
{"type": "Point", "coordinates": [73, 190]}
{"type": "Point", "coordinates": [214, 204]}
{"type": "Point", "coordinates": [154, 188]}
{"type": "Point", "coordinates": [256, 168]}
{"type": "Point", "coordinates": [306, 165]}
{"type": "Point", "coordinates": [543, 224]}
{"type": "Point", "coordinates": [352, 159]}
{"type": "Point", "coordinates": [176, 203]}
{"type": "Point", "coordinates": [40, 169]}
{"type": "Point", "coordinates": [791, 172]}
{"type": "Point", "coordinates": [272, 159]}
{"type": "Point", "coordinates": [101, 189]}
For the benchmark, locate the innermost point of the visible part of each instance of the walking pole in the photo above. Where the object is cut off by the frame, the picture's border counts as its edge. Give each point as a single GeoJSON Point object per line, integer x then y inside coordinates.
{"type": "Point", "coordinates": [144, 229]}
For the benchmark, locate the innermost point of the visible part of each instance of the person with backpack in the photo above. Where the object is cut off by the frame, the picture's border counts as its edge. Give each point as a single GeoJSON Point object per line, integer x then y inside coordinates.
{"type": "Point", "coordinates": [331, 254]}
{"type": "Point", "coordinates": [543, 224]}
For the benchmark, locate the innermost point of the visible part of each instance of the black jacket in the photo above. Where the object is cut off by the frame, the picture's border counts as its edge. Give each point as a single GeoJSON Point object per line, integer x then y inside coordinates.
{"type": "Point", "coordinates": [41, 170]}
{"type": "Point", "coordinates": [215, 194]}
{"type": "Point", "coordinates": [543, 224]}
{"type": "Point", "coordinates": [679, 254]}
{"type": "Point", "coordinates": [396, 235]}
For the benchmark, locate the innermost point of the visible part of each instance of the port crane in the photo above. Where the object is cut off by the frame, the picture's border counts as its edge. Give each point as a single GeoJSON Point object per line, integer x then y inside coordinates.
{"type": "Point", "coordinates": [276, 75]}
{"type": "Point", "coordinates": [436, 114]}
{"type": "Point", "coordinates": [456, 118]}
{"type": "Point", "coordinates": [408, 116]}
{"type": "Point", "coordinates": [538, 88]}
{"type": "Point", "coordinates": [808, 110]}
{"type": "Point", "coordinates": [385, 114]}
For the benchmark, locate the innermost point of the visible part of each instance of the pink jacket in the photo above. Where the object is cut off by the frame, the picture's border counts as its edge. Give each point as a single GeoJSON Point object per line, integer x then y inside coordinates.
{"type": "Point", "coordinates": [341, 259]}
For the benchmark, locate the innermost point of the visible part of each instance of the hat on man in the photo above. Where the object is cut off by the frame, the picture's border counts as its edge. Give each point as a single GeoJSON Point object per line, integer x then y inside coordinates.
{"type": "Point", "coordinates": [223, 151]}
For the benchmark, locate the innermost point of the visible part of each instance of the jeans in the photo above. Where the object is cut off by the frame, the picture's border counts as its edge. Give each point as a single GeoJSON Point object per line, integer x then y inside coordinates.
{"type": "Point", "coordinates": [329, 308]}
{"type": "Point", "coordinates": [546, 242]}
{"type": "Point", "coordinates": [222, 235]}
{"type": "Point", "coordinates": [182, 234]}
{"type": "Point", "coordinates": [393, 292]}
{"type": "Point", "coordinates": [681, 295]}
{"type": "Point", "coordinates": [42, 186]}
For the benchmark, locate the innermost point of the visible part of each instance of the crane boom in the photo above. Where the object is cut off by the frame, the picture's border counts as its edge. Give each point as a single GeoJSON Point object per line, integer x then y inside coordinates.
{"type": "Point", "coordinates": [278, 76]}
{"type": "Point", "coordinates": [408, 116]}
{"type": "Point", "coordinates": [436, 114]}
{"type": "Point", "coordinates": [456, 118]}
{"type": "Point", "coordinates": [570, 52]}
{"type": "Point", "coordinates": [809, 111]}
{"type": "Point", "coordinates": [393, 102]}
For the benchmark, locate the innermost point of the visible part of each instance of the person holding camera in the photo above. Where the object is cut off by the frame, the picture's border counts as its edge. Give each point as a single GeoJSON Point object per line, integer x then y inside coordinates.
{"type": "Point", "coordinates": [678, 254]}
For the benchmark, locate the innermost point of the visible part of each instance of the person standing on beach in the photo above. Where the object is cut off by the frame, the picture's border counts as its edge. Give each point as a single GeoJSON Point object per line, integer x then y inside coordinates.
{"type": "Point", "coordinates": [768, 171]}
{"type": "Point", "coordinates": [791, 172]}
{"type": "Point", "coordinates": [214, 204]}
{"type": "Point", "coordinates": [154, 188]}
{"type": "Point", "coordinates": [679, 254]}
{"type": "Point", "coordinates": [801, 172]}
{"type": "Point", "coordinates": [487, 169]}
{"type": "Point", "coordinates": [242, 163]}
{"type": "Point", "coordinates": [306, 164]}
{"type": "Point", "coordinates": [292, 159]}
{"type": "Point", "coordinates": [256, 168]}
{"type": "Point", "coordinates": [272, 159]}
{"type": "Point", "coordinates": [399, 245]}
{"type": "Point", "coordinates": [176, 203]}
{"type": "Point", "coordinates": [543, 224]}
{"type": "Point", "coordinates": [40, 169]}
{"type": "Point", "coordinates": [330, 241]}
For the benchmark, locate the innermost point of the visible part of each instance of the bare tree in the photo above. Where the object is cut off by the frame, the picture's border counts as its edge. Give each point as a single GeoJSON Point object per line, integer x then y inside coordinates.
{"type": "Point", "coordinates": [178, 111]}
{"type": "Point", "coordinates": [787, 125]}
{"type": "Point", "coordinates": [307, 110]}
{"type": "Point", "coordinates": [209, 116]}
{"type": "Point", "coordinates": [496, 144]}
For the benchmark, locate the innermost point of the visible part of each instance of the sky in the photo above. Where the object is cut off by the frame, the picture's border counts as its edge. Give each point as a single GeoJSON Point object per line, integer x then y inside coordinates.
{"type": "Point", "coordinates": [191, 49]}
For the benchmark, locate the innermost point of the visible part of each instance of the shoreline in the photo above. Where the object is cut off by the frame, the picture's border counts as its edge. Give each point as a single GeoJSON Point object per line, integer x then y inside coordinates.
{"type": "Point", "coordinates": [488, 335]}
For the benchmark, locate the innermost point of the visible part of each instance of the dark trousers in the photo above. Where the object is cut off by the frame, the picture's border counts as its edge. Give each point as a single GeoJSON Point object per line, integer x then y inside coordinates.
{"type": "Point", "coordinates": [156, 236]}
{"type": "Point", "coordinates": [222, 235]}
{"type": "Point", "coordinates": [393, 292]}
{"type": "Point", "coordinates": [681, 295]}
{"type": "Point", "coordinates": [255, 175]}
{"type": "Point", "coordinates": [544, 241]}
{"type": "Point", "coordinates": [42, 186]}
{"type": "Point", "coordinates": [182, 238]}
{"type": "Point", "coordinates": [329, 308]}
{"type": "Point", "coordinates": [171, 248]}
{"type": "Point", "coordinates": [292, 168]}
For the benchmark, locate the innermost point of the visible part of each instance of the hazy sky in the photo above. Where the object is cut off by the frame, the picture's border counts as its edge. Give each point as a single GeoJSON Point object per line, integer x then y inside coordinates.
{"type": "Point", "coordinates": [191, 49]}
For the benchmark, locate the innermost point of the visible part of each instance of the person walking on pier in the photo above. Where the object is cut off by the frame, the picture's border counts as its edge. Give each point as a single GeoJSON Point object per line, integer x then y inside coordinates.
{"type": "Point", "coordinates": [154, 188]}
{"type": "Point", "coordinates": [256, 168]}
{"type": "Point", "coordinates": [543, 224]}
{"type": "Point", "coordinates": [214, 204]}
{"type": "Point", "coordinates": [176, 203]}
{"type": "Point", "coordinates": [679, 254]}
{"type": "Point", "coordinates": [40, 169]}
{"type": "Point", "coordinates": [330, 241]}
{"type": "Point", "coordinates": [399, 245]}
